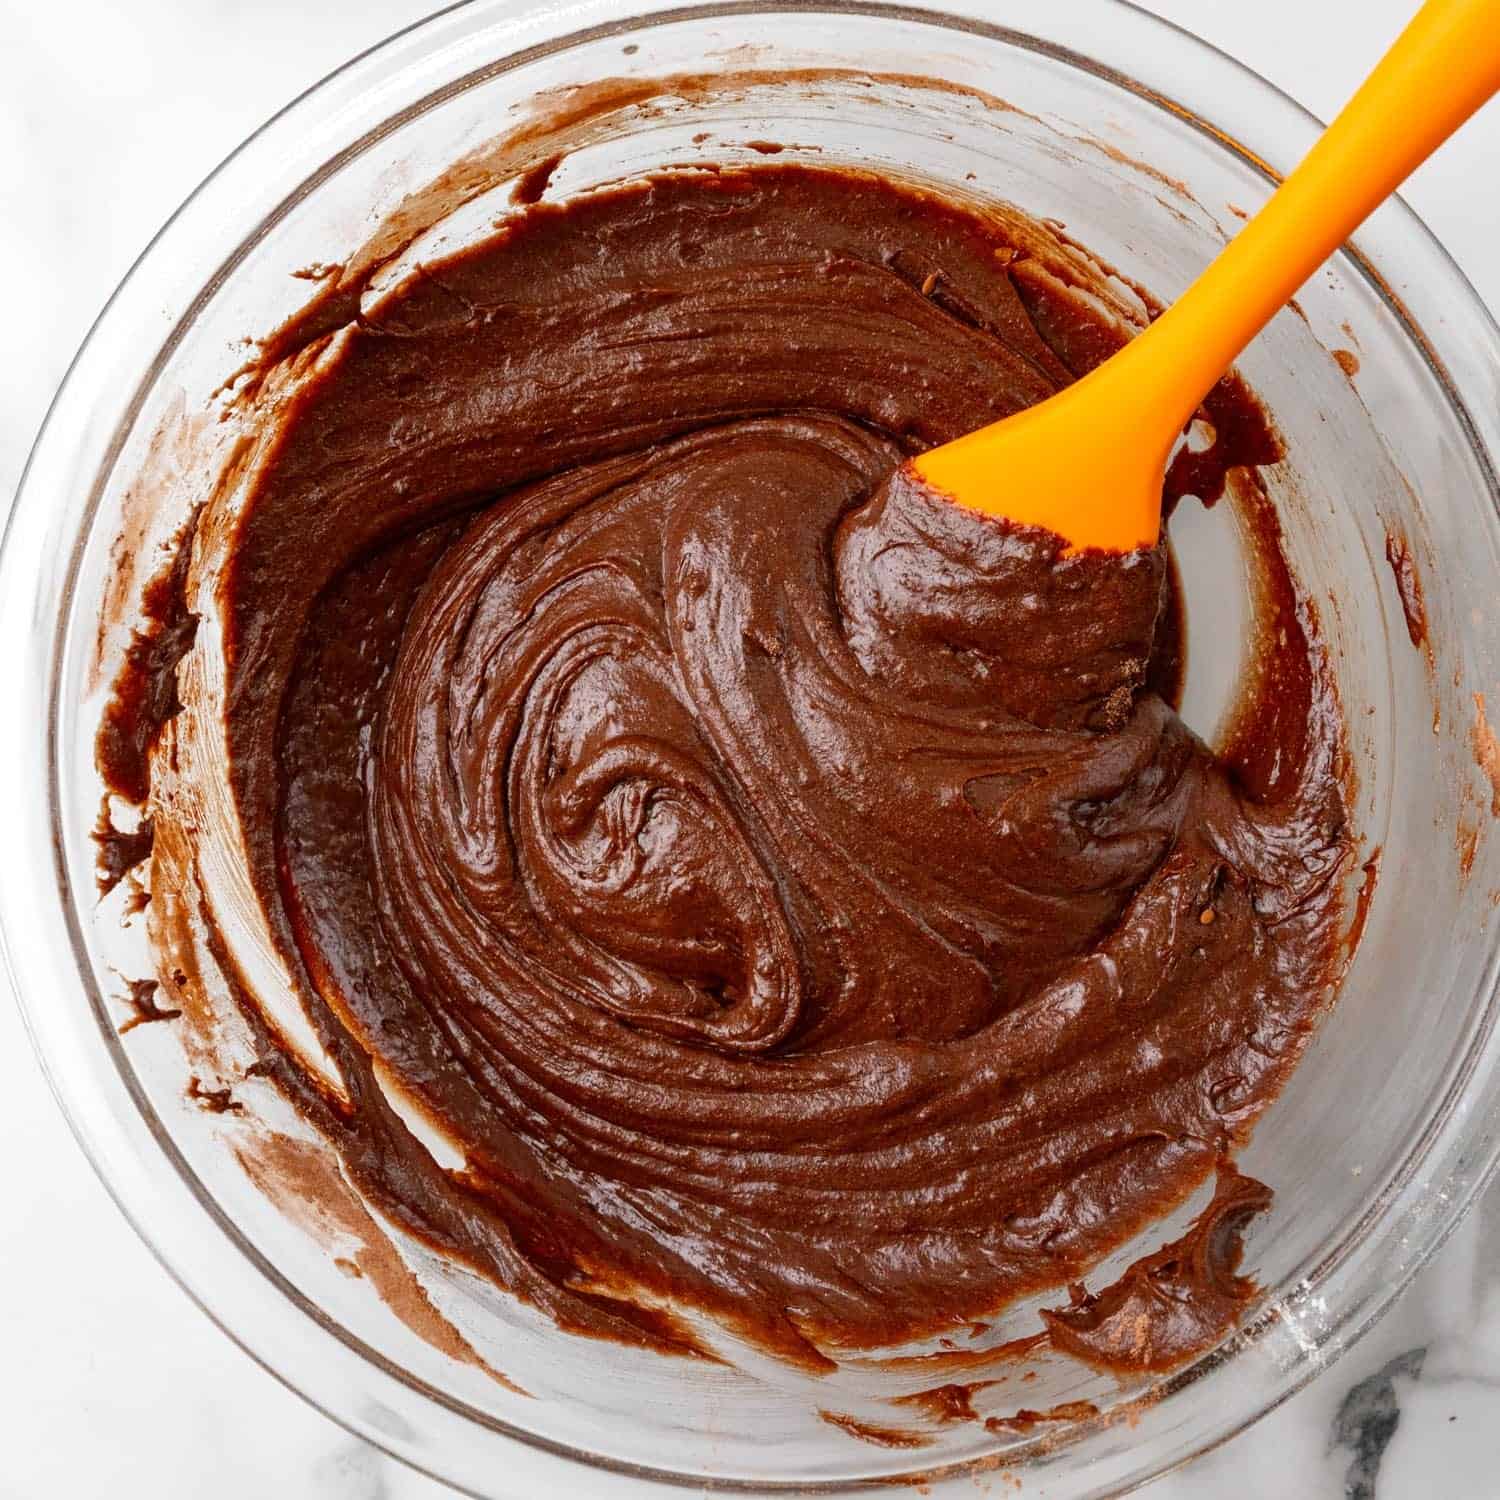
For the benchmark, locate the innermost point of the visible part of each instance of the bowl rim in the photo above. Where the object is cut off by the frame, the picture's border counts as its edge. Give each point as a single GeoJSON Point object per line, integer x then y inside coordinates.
{"type": "Point", "coordinates": [71, 1059]}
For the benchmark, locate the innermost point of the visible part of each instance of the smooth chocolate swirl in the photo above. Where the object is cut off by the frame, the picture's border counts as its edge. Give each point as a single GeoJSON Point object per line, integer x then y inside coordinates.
{"type": "Point", "coordinates": [779, 880]}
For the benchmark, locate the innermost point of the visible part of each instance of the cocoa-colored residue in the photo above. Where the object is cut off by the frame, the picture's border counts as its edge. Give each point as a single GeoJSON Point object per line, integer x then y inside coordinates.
{"type": "Point", "coordinates": [1242, 435]}
{"type": "Point", "coordinates": [141, 998]}
{"type": "Point", "coordinates": [144, 693]}
{"type": "Point", "coordinates": [219, 1101]}
{"type": "Point", "coordinates": [532, 183]}
{"type": "Point", "coordinates": [1486, 752]}
{"type": "Point", "coordinates": [1184, 1297]}
{"type": "Point", "coordinates": [953, 1402]}
{"type": "Point", "coordinates": [1348, 361]}
{"type": "Point", "coordinates": [304, 1181]}
{"type": "Point", "coordinates": [951, 1360]}
{"type": "Point", "coordinates": [1369, 875]}
{"type": "Point", "coordinates": [871, 1432]}
{"type": "Point", "coordinates": [1469, 830]}
{"type": "Point", "coordinates": [119, 850]}
{"type": "Point", "coordinates": [1408, 586]}
{"type": "Point", "coordinates": [137, 895]}
{"type": "Point", "coordinates": [1026, 1420]}
{"type": "Point", "coordinates": [1178, 187]}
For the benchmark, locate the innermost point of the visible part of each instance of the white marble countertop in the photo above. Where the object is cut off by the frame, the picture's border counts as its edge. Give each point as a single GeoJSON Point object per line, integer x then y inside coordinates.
{"type": "Point", "coordinates": [109, 115]}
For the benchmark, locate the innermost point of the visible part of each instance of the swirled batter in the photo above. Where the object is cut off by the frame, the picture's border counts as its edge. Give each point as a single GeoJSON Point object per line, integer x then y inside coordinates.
{"type": "Point", "coordinates": [794, 892]}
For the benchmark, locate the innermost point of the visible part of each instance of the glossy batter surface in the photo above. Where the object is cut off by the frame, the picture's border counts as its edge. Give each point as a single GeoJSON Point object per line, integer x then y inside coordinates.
{"type": "Point", "coordinates": [789, 889]}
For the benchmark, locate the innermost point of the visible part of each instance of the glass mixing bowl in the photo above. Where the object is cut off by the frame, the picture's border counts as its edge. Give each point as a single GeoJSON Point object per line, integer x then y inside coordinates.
{"type": "Point", "coordinates": [1147, 145]}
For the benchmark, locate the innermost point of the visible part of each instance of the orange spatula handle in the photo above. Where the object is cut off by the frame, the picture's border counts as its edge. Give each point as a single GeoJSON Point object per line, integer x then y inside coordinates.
{"type": "Point", "coordinates": [1087, 463]}
{"type": "Point", "coordinates": [1439, 71]}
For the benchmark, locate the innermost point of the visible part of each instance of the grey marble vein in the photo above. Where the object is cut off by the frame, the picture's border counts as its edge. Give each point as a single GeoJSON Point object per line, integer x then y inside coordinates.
{"type": "Point", "coordinates": [1367, 1419]}
{"type": "Point", "coordinates": [355, 1471]}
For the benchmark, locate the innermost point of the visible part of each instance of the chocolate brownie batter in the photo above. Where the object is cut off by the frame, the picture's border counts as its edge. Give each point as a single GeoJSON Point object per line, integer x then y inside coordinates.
{"type": "Point", "coordinates": [794, 893]}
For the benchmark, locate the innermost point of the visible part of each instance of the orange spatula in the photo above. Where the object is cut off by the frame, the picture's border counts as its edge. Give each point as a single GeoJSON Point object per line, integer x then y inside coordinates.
{"type": "Point", "coordinates": [1088, 463]}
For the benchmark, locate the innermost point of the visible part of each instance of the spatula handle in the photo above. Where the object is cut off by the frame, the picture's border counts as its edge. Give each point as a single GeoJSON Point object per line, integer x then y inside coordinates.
{"type": "Point", "coordinates": [1439, 71]}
